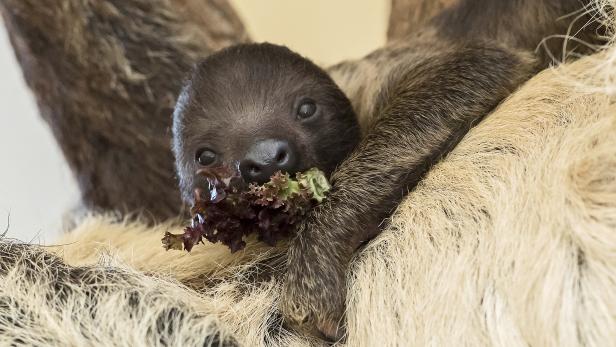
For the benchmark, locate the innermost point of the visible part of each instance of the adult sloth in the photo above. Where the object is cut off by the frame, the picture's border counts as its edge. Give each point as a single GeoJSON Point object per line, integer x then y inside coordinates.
{"type": "Point", "coordinates": [271, 109]}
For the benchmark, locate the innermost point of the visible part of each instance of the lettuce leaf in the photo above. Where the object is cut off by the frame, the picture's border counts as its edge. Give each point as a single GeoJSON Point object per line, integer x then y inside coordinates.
{"type": "Point", "coordinates": [230, 210]}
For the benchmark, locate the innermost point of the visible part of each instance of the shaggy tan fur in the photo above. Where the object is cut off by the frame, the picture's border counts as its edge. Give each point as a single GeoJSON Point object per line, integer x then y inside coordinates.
{"type": "Point", "coordinates": [509, 241]}
{"type": "Point", "coordinates": [46, 303]}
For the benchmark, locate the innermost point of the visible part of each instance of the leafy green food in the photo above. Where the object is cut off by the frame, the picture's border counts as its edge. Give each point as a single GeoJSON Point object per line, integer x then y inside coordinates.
{"type": "Point", "coordinates": [231, 209]}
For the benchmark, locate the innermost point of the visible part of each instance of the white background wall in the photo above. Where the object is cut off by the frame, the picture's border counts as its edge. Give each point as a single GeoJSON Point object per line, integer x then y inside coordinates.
{"type": "Point", "coordinates": [36, 186]}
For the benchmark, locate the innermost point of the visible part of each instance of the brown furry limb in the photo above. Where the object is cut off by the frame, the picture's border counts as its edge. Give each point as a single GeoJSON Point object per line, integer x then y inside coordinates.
{"type": "Point", "coordinates": [106, 74]}
{"type": "Point", "coordinates": [557, 30]}
{"type": "Point", "coordinates": [410, 16]}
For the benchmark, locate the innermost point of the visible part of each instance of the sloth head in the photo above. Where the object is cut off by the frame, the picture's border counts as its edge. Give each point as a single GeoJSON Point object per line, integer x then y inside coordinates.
{"type": "Point", "coordinates": [265, 107]}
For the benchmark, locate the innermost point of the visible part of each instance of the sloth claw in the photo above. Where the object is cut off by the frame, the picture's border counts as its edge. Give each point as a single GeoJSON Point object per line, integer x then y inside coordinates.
{"type": "Point", "coordinates": [331, 331]}
{"type": "Point", "coordinates": [301, 320]}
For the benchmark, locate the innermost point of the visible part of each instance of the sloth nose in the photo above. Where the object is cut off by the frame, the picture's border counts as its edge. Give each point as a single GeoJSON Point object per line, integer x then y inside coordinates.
{"type": "Point", "coordinates": [266, 157]}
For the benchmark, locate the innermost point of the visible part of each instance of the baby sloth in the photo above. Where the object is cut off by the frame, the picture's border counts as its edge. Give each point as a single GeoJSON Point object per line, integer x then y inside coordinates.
{"type": "Point", "coordinates": [375, 131]}
{"type": "Point", "coordinates": [270, 109]}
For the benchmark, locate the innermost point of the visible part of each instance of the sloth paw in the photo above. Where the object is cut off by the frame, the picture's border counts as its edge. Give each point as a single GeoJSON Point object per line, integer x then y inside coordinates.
{"type": "Point", "coordinates": [311, 323]}
{"type": "Point", "coordinates": [319, 314]}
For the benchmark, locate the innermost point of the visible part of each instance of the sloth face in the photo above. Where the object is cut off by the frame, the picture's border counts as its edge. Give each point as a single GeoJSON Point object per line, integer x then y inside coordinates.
{"type": "Point", "coordinates": [264, 107]}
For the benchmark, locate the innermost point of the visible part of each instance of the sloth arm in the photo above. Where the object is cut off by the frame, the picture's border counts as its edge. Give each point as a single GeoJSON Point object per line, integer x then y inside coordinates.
{"type": "Point", "coordinates": [424, 113]}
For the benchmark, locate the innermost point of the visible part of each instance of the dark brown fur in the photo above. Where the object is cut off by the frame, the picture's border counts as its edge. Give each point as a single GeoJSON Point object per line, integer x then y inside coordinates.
{"type": "Point", "coordinates": [527, 24]}
{"type": "Point", "coordinates": [409, 16]}
{"type": "Point", "coordinates": [542, 26]}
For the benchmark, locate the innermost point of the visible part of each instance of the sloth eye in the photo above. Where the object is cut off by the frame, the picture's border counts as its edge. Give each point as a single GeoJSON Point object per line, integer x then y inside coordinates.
{"type": "Point", "coordinates": [306, 109]}
{"type": "Point", "coordinates": [205, 157]}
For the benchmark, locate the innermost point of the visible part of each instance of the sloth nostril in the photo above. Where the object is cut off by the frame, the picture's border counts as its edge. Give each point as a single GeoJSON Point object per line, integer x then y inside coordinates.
{"type": "Point", "coordinates": [265, 158]}
{"type": "Point", "coordinates": [255, 170]}
{"type": "Point", "coordinates": [282, 156]}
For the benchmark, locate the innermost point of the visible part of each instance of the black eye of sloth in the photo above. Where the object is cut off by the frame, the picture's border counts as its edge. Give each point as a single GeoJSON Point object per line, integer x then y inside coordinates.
{"type": "Point", "coordinates": [306, 109]}
{"type": "Point", "coordinates": [205, 157]}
